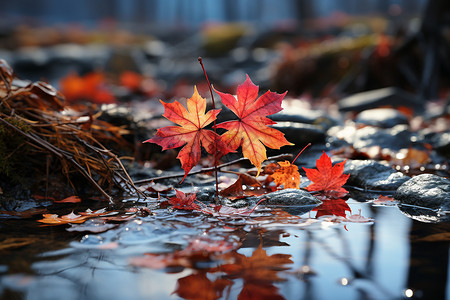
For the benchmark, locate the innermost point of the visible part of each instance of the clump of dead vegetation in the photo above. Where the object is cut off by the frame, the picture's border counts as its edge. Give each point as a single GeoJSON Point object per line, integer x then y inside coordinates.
{"type": "Point", "coordinates": [43, 138]}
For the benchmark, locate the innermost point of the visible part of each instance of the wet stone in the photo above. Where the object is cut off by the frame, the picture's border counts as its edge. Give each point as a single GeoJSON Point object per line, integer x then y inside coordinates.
{"type": "Point", "coordinates": [425, 215]}
{"type": "Point", "coordinates": [425, 190]}
{"type": "Point", "coordinates": [382, 117]}
{"type": "Point", "coordinates": [372, 175]}
{"type": "Point", "coordinates": [441, 143]}
{"type": "Point", "coordinates": [288, 197]}
{"type": "Point", "coordinates": [300, 133]}
{"type": "Point", "coordinates": [305, 116]}
{"type": "Point", "coordinates": [386, 96]}
{"type": "Point", "coordinates": [394, 138]}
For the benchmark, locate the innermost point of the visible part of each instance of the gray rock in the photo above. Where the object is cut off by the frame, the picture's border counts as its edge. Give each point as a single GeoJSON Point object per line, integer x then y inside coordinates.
{"type": "Point", "coordinates": [305, 116]}
{"type": "Point", "coordinates": [425, 190]}
{"type": "Point", "coordinates": [424, 215]}
{"type": "Point", "coordinates": [441, 142]}
{"type": "Point", "coordinates": [371, 99]}
{"type": "Point", "coordinates": [394, 138]}
{"type": "Point", "coordinates": [301, 134]}
{"type": "Point", "coordinates": [382, 117]}
{"type": "Point", "coordinates": [293, 201]}
{"type": "Point", "coordinates": [289, 197]}
{"type": "Point", "coordinates": [372, 175]}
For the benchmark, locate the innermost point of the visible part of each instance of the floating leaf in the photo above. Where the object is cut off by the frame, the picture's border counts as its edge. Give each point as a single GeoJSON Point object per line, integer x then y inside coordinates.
{"type": "Point", "coordinates": [71, 199]}
{"type": "Point", "coordinates": [53, 219]}
{"type": "Point", "coordinates": [184, 201]}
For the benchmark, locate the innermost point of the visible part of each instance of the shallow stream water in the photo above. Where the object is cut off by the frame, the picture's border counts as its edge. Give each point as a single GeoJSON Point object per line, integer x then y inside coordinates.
{"type": "Point", "coordinates": [382, 254]}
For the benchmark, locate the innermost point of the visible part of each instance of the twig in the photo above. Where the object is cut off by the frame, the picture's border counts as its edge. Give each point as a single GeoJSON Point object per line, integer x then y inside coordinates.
{"type": "Point", "coordinates": [208, 169]}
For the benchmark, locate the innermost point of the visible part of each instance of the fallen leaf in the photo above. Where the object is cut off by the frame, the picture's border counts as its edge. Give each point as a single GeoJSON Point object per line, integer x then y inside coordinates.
{"type": "Point", "coordinates": [131, 80]}
{"type": "Point", "coordinates": [287, 175]}
{"type": "Point", "coordinates": [327, 177]}
{"type": "Point", "coordinates": [88, 87]}
{"type": "Point", "coordinates": [235, 190]}
{"type": "Point", "coordinates": [71, 199]}
{"type": "Point", "coordinates": [250, 131]}
{"type": "Point", "coordinates": [53, 219]}
{"type": "Point", "coordinates": [184, 201]}
{"type": "Point", "coordinates": [385, 200]}
{"type": "Point", "coordinates": [191, 133]}
{"type": "Point", "coordinates": [97, 213]}
{"type": "Point", "coordinates": [413, 158]}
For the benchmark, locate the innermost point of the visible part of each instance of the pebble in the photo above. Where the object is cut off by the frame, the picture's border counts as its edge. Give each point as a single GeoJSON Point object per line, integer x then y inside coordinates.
{"type": "Point", "coordinates": [372, 175]}
{"type": "Point", "coordinates": [382, 117]}
{"type": "Point", "coordinates": [425, 190]}
{"type": "Point", "coordinates": [386, 96]}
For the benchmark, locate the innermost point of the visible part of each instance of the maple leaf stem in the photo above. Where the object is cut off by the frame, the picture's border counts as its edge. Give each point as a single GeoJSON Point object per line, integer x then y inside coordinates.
{"type": "Point", "coordinates": [309, 144]}
{"type": "Point", "coordinates": [214, 127]}
{"type": "Point", "coordinates": [209, 169]}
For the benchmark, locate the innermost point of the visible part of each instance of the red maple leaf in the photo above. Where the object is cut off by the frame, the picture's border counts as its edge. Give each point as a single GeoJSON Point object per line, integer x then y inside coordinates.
{"type": "Point", "coordinates": [191, 132]}
{"type": "Point", "coordinates": [335, 207]}
{"type": "Point", "coordinates": [251, 130]}
{"type": "Point", "coordinates": [327, 177]}
{"type": "Point", "coordinates": [184, 201]}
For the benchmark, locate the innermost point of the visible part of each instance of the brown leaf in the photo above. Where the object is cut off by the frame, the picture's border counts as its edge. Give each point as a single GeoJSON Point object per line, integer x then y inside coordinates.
{"type": "Point", "coordinates": [236, 190]}
{"type": "Point", "coordinates": [199, 286]}
{"type": "Point", "coordinates": [71, 199]}
{"type": "Point", "coordinates": [259, 267]}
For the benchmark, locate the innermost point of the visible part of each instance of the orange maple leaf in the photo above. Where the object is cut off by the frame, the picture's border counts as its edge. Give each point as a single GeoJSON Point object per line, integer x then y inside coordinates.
{"type": "Point", "coordinates": [251, 130]}
{"type": "Point", "coordinates": [53, 219]}
{"type": "Point", "coordinates": [327, 177]}
{"type": "Point", "coordinates": [287, 175]}
{"type": "Point", "coordinates": [191, 132]}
